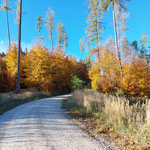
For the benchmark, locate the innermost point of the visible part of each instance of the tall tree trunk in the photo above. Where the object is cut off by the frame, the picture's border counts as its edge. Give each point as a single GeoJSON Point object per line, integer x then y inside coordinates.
{"type": "Point", "coordinates": [19, 47]}
{"type": "Point", "coordinates": [97, 37]}
{"type": "Point", "coordinates": [116, 38]}
{"type": "Point", "coordinates": [8, 26]}
{"type": "Point", "coordinates": [39, 37]}
{"type": "Point", "coordinates": [97, 42]}
{"type": "Point", "coordinates": [51, 34]}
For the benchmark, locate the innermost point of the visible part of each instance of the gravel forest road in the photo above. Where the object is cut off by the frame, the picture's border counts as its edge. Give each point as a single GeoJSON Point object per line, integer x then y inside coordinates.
{"type": "Point", "coordinates": [43, 125]}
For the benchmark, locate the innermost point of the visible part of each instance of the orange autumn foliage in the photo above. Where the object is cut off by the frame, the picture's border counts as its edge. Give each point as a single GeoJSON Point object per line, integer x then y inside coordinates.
{"type": "Point", "coordinates": [51, 71]}
{"type": "Point", "coordinates": [3, 76]}
{"type": "Point", "coordinates": [136, 79]}
{"type": "Point", "coordinates": [105, 74]}
{"type": "Point", "coordinates": [41, 69]}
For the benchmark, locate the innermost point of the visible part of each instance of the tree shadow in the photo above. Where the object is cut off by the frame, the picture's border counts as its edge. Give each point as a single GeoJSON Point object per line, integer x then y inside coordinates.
{"type": "Point", "coordinates": [34, 120]}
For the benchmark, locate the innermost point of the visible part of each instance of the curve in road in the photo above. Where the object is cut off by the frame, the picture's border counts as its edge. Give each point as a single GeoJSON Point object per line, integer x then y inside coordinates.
{"type": "Point", "coordinates": [43, 125]}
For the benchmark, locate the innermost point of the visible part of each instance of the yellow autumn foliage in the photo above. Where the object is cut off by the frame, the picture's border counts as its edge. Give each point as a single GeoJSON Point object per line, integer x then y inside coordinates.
{"type": "Point", "coordinates": [11, 66]}
{"type": "Point", "coordinates": [136, 80]}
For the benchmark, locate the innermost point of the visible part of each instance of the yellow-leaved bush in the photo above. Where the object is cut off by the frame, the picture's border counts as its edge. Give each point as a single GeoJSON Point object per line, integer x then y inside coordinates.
{"type": "Point", "coordinates": [105, 74]}
{"type": "Point", "coordinates": [136, 79]}
{"type": "Point", "coordinates": [41, 69]}
{"type": "Point", "coordinates": [11, 66]}
{"type": "Point", "coordinates": [51, 71]}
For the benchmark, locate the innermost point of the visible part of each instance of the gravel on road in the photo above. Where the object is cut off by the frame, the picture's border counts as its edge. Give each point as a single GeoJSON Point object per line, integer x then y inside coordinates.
{"type": "Point", "coordinates": [43, 125]}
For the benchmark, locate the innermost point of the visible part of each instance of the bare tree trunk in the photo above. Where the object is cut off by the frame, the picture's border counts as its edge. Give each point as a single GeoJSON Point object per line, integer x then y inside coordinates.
{"type": "Point", "coordinates": [8, 26]}
{"type": "Point", "coordinates": [116, 38]}
{"type": "Point", "coordinates": [19, 47]}
{"type": "Point", "coordinates": [51, 34]}
{"type": "Point", "coordinates": [39, 37]}
{"type": "Point", "coordinates": [98, 43]}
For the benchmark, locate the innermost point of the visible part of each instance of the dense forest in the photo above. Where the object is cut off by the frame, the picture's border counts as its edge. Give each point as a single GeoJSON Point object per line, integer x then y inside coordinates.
{"type": "Point", "coordinates": [119, 67]}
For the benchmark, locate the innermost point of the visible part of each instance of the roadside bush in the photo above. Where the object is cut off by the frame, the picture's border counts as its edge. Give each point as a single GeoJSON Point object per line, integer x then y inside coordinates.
{"type": "Point", "coordinates": [77, 83]}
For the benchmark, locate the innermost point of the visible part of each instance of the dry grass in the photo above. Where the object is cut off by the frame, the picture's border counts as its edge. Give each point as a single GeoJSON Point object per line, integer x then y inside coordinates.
{"type": "Point", "coordinates": [10, 100]}
{"type": "Point", "coordinates": [5, 97]}
{"type": "Point", "coordinates": [119, 114]}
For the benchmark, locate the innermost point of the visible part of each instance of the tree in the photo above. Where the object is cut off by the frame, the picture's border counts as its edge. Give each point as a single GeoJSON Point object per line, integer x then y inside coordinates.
{"type": "Point", "coordinates": [107, 79]}
{"type": "Point", "coordinates": [19, 47]}
{"type": "Point", "coordinates": [81, 46]}
{"type": "Point", "coordinates": [12, 67]}
{"type": "Point", "coordinates": [136, 80]}
{"type": "Point", "coordinates": [126, 49]}
{"type": "Point", "coordinates": [60, 31]}
{"type": "Point", "coordinates": [121, 21]}
{"type": "Point", "coordinates": [144, 50]}
{"type": "Point", "coordinates": [66, 38]}
{"type": "Point", "coordinates": [18, 12]}
{"type": "Point", "coordinates": [2, 54]}
{"type": "Point", "coordinates": [50, 24]}
{"type": "Point", "coordinates": [134, 45]}
{"type": "Point", "coordinates": [48, 70]}
{"type": "Point", "coordinates": [95, 25]}
{"type": "Point", "coordinates": [3, 76]}
{"type": "Point", "coordinates": [6, 8]}
{"type": "Point", "coordinates": [38, 72]}
{"type": "Point", "coordinates": [77, 83]}
{"type": "Point", "coordinates": [62, 37]}
{"type": "Point", "coordinates": [105, 5]}
{"type": "Point", "coordinates": [39, 24]}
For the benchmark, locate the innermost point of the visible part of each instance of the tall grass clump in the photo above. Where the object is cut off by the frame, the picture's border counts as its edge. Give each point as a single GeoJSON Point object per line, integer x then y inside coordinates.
{"type": "Point", "coordinates": [119, 114]}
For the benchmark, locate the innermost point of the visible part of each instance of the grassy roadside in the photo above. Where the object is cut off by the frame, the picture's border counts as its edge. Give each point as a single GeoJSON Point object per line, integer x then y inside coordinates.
{"type": "Point", "coordinates": [97, 122]}
{"type": "Point", "coordinates": [11, 100]}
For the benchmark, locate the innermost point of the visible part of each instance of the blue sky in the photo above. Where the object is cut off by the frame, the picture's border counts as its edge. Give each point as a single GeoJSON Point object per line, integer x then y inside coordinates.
{"type": "Point", "coordinates": [73, 14]}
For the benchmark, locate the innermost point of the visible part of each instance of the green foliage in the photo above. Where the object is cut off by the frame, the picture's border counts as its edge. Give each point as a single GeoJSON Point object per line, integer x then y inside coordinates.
{"type": "Point", "coordinates": [119, 92]}
{"type": "Point", "coordinates": [77, 83]}
{"type": "Point", "coordinates": [2, 54]}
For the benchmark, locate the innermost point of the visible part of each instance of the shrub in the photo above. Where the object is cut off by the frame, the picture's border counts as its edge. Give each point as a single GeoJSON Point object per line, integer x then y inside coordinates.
{"type": "Point", "coordinates": [77, 83]}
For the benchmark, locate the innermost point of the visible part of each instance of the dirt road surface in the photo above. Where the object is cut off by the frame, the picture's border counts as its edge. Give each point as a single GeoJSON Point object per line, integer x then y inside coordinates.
{"type": "Point", "coordinates": [43, 125]}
